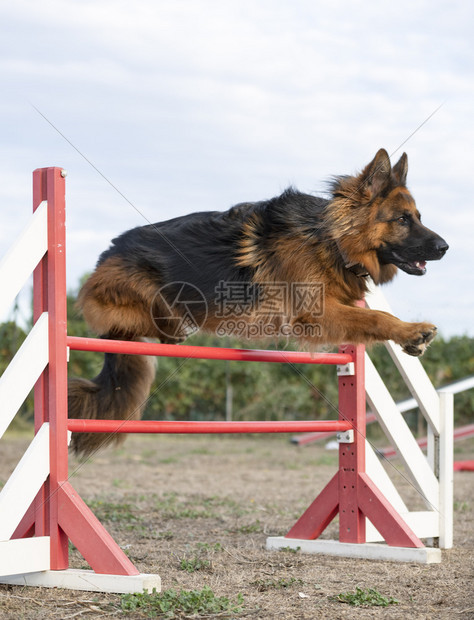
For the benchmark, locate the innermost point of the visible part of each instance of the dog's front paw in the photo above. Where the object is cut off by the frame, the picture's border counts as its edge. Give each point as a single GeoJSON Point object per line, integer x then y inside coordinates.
{"type": "Point", "coordinates": [419, 337]}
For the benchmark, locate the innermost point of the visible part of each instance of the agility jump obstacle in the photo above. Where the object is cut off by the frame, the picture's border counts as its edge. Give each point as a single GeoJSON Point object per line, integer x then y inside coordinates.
{"type": "Point", "coordinates": [40, 511]}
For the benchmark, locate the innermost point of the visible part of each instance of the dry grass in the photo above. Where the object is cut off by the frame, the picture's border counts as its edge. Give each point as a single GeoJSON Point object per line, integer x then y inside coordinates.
{"type": "Point", "coordinates": [197, 510]}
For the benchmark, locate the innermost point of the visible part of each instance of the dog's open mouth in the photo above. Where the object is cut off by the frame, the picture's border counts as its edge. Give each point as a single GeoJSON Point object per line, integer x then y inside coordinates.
{"type": "Point", "coordinates": [414, 268]}
{"type": "Point", "coordinates": [404, 258]}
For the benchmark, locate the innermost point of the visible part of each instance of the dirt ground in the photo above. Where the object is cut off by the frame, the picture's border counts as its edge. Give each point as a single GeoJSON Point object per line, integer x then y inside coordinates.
{"type": "Point", "coordinates": [197, 511]}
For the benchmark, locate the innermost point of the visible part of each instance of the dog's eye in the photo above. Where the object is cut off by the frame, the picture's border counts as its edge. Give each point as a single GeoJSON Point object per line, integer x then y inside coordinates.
{"type": "Point", "coordinates": [403, 220]}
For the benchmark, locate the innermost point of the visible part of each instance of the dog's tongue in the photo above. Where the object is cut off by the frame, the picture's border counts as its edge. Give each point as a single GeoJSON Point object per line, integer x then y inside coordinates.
{"type": "Point", "coordinates": [421, 264]}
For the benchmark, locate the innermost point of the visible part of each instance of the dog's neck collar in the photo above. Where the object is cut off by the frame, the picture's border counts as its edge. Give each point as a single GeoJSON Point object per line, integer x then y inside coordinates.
{"type": "Point", "coordinates": [356, 268]}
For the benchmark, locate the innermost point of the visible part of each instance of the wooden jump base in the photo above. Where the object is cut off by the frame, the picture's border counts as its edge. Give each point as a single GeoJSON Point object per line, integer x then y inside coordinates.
{"type": "Point", "coordinates": [40, 511]}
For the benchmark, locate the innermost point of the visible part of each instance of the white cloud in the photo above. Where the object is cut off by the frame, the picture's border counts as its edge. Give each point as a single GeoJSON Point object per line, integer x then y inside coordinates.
{"type": "Point", "coordinates": [198, 105]}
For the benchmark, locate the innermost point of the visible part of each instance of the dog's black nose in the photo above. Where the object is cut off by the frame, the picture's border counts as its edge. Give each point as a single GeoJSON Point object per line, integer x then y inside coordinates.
{"type": "Point", "coordinates": [442, 247]}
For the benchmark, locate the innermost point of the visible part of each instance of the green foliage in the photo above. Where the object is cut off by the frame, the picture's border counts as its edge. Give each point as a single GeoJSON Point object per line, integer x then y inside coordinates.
{"type": "Point", "coordinates": [196, 389]}
{"type": "Point", "coordinates": [194, 563]}
{"type": "Point", "coordinates": [445, 361]}
{"type": "Point", "coordinates": [290, 549]}
{"type": "Point", "coordinates": [123, 515]}
{"type": "Point", "coordinates": [365, 598]}
{"type": "Point", "coordinates": [209, 547]}
{"type": "Point", "coordinates": [173, 604]}
{"type": "Point", "coordinates": [109, 511]}
{"type": "Point", "coordinates": [200, 559]}
{"type": "Point", "coordinates": [11, 338]}
{"type": "Point", "coordinates": [461, 506]}
{"type": "Point", "coordinates": [250, 528]}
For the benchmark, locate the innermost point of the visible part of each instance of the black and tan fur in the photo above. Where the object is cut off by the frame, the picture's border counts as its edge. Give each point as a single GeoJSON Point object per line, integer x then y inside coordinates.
{"type": "Point", "coordinates": [369, 226]}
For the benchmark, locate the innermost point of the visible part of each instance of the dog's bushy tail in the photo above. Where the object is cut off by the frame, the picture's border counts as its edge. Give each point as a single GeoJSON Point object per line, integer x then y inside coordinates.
{"type": "Point", "coordinates": [119, 392]}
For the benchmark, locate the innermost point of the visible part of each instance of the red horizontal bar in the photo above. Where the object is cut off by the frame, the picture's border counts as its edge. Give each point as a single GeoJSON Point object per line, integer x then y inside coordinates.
{"type": "Point", "coordinates": [463, 466]}
{"type": "Point", "coordinates": [167, 426]}
{"type": "Point", "coordinates": [302, 440]}
{"type": "Point", "coordinates": [206, 353]}
{"type": "Point", "coordinates": [461, 432]}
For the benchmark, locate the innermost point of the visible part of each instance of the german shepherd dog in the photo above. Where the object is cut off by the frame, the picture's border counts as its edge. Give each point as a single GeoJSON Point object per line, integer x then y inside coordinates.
{"type": "Point", "coordinates": [294, 265]}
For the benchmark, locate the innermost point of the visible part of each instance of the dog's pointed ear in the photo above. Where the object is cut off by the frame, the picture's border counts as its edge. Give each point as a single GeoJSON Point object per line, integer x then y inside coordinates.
{"type": "Point", "coordinates": [400, 170]}
{"type": "Point", "coordinates": [378, 173]}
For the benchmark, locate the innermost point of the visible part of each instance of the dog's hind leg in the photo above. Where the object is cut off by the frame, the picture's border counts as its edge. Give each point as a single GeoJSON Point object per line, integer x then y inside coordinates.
{"type": "Point", "coordinates": [115, 305]}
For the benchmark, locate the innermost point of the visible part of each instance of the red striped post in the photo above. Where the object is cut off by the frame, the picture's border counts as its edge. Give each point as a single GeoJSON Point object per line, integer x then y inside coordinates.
{"type": "Point", "coordinates": [61, 514]}
{"type": "Point", "coordinates": [352, 455]}
{"type": "Point", "coordinates": [51, 389]}
{"type": "Point", "coordinates": [340, 495]}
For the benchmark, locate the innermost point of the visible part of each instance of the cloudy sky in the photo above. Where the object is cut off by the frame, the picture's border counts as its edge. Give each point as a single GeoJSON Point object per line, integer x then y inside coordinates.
{"type": "Point", "coordinates": [197, 105]}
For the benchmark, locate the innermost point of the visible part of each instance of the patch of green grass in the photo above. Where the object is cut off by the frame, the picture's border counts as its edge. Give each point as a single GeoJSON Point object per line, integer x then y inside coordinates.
{"type": "Point", "coordinates": [461, 506]}
{"type": "Point", "coordinates": [202, 450]}
{"type": "Point", "coordinates": [204, 546]}
{"type": "Point", "coordinates": [324, 459]}
{"type": "Point", "coordinates": [171, 507]}
{"type": "Point", "coordinates": [122, 515]}
{"type": "Point", "coordinates": [276, 584]}
{"type": "Point", "coordinates": [186, 512]}
{"type": "Point", "coordinates": [109, 511]}
{"type": "Point", "coordinates": [194, 563]}
{"type": "Point", "coordinates": [250, 528]}
{"type": "Point", "coordinates": [226, 502]}
{"type": "Point", "coordinates": [294, 466]}
{"type": "Point", "coordinates": [200, 560]}
{"type": "Point", "coordinates": [290, 549]}
{"type": "Point", "coordinates": [173, 604]}
{"type": "Point", "coordinates": [365, 598]}
{"type": "Point", "coordinates": [118, 483]}
{"type": "Point", "coordinates": [234, 509]}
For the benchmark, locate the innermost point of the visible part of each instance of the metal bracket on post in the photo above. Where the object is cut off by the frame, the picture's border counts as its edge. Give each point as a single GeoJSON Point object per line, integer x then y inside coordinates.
{"type": "Point", "coordinates": [345, 436]}
{"type": "Point", "coordinates": [344, 370]}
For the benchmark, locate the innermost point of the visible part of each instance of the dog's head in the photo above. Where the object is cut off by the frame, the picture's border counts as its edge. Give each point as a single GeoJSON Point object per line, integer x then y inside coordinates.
{"type": "Point", "coordinates": [405, 243]}
{"type": "Point", "coordinates": [386, 230]}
